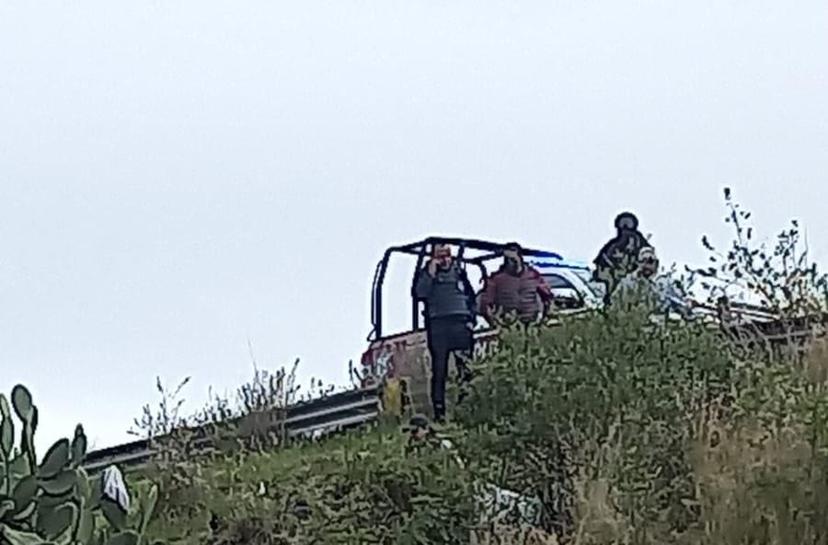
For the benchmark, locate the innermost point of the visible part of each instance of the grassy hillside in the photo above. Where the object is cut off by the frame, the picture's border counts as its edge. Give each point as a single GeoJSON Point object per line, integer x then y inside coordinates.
{"type": "Point", "coordinates": [628, 434]}
{"type": "Point", "coordinates": [625, 429]}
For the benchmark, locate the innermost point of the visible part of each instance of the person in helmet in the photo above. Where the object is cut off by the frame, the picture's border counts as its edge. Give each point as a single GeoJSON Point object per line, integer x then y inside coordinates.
{"type": "Point", "coordinates": [619, 256]}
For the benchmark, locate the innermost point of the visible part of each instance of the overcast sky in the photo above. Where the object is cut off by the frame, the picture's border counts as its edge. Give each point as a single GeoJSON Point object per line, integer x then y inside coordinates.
{"type": "Point", "coordinates": [177, 177]}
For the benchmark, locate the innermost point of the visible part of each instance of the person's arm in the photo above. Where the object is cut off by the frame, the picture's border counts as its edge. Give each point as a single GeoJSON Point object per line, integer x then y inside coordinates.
{"type": "Point", "coordinates": [603, 270]}
{"type": "Point", "coordinates": [544, 291]}
{"type": "Point", "coordinates": [424, 284]}
{"type": "Point", "coordinates": [486, 299]}
{"type": "Point", "coordinates": [602, 260]}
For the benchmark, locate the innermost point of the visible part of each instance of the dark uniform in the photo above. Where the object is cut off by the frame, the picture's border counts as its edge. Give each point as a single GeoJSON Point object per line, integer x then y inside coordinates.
{"type": "Point", "coordinates": [619, 256]}
{"type": "Point", "coordinates": [450, 315]}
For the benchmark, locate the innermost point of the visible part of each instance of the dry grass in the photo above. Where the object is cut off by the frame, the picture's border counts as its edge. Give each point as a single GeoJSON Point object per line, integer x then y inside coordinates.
{"type": "Point", "coordinates": [753, 485]}
{"type": "Point", "coordinates": [502, 535]}
{"type": "Point", "coordinates": [816, 361]}
{"type": "Point", "coordinates": [743, 485]}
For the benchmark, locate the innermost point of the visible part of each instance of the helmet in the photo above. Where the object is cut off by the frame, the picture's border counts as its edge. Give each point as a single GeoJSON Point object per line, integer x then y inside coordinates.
{"type": "Point", "coordinates": [626, 221]}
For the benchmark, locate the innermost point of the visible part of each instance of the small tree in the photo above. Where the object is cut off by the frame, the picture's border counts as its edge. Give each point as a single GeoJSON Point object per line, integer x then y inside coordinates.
{"type": "Point", "coordinates": [780, 278]}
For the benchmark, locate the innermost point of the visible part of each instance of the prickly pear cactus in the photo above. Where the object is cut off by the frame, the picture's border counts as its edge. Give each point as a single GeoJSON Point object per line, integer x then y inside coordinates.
{"type": "Point", "coordinates": [55, 501]}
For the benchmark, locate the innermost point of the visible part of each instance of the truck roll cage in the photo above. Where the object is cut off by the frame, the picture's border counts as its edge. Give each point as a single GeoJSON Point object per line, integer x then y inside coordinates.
{"type": "Point", "coordinates": [488, 252]}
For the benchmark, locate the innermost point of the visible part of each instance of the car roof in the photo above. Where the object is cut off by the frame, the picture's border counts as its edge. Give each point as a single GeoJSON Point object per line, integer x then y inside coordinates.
{"type": "Point", "coordinates": [556, 264]}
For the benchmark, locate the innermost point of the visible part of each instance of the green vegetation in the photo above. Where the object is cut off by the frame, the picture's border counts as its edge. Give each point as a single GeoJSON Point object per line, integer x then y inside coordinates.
{"type": "Point", "coordinates": [55, 501]}
{"type": "Point", "coordinates": [626, 429]}
{"type": "Point", "coordinates": [358, 488]}
{"type": "Point", "coordinates": [627, 432]}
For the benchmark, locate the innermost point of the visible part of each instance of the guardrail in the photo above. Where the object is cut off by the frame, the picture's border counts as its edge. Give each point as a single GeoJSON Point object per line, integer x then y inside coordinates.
{"type": "Point", "coordinates": [307, 419]}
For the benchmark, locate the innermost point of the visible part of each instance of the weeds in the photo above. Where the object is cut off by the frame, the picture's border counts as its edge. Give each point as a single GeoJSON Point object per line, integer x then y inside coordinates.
{"type": "Point", "coordinates": [626, 431]}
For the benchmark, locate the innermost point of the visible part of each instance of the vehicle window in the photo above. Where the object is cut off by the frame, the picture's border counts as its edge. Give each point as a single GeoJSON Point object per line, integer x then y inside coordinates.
{"type": "Point", "coordinates": [564, 293]}
{"type": "Point", "coordinates": [596, 288]}
{"type": "Point", "coordinates": [558, 282]}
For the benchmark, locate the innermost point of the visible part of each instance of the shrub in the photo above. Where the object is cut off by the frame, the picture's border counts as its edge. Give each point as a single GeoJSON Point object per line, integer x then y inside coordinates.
{"type": "Point", "coordinates": [358, 488]}
{"type": "Point", "coordinates": [635, 432]}
{"type": "Point", "coordinates": [628, 430]}
{"type": "Point", "coordinates": [603, 396]}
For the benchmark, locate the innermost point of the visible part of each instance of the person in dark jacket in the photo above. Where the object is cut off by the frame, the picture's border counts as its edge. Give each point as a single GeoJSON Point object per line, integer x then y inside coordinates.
{"type": "Point", "coordinates": [619, 256]}
{"type": "Point", "coordinates": [450, 314]}
{"type": "Point", "coordinates": [515, 288]}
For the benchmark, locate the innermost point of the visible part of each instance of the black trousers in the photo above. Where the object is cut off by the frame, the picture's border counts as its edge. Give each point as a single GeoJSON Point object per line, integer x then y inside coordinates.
{"type": "Point", "coordinates": [446, 336]}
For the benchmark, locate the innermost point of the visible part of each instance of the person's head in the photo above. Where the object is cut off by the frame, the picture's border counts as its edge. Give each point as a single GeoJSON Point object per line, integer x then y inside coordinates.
{"type": "Point", "coordinates": [419, 427]}
{"type": "Point", "coordinates": [626, 221]}
{"type": "Point", "coordinates": [513, 257]}
{"type": "Point", "coordinates": [647, 262]}
{"type": "Point", "coordinates": [442, 254]}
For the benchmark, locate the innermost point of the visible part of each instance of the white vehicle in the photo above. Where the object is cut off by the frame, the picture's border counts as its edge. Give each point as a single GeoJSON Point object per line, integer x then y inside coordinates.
{"type": "Point", "coordinates": [573, 287]}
